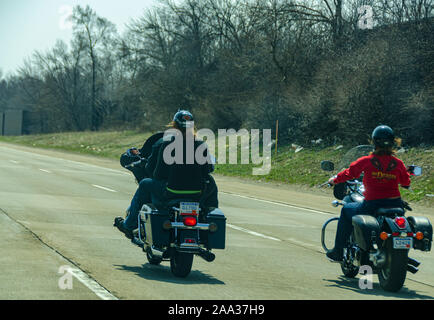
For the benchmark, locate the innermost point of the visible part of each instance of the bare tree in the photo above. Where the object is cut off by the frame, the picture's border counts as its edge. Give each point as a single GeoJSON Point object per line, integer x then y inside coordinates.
{"type": "Point", "coordinates": [96, 32]}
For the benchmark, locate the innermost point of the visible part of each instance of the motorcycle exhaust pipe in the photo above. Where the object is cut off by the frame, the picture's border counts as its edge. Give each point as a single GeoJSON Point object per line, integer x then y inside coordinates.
{"type": "Point", "coordinates": [413, 262]}
{"type": "Point", "coordinates": [207, 256]}
{"type": "Point", "coordinates": [412, 269]}
{"type": "Point", "coordinates": [156, 252]}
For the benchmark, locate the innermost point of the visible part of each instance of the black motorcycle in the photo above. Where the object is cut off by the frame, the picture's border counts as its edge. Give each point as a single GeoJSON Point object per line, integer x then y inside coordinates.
{"type": "Point", "coordinates": [381, 241]}
{"type": "Point", "coordinates": [177, 229]}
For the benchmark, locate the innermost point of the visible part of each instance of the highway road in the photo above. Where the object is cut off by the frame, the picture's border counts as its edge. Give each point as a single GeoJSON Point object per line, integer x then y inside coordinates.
{"type": "Point", "coordinates": [57, 211]}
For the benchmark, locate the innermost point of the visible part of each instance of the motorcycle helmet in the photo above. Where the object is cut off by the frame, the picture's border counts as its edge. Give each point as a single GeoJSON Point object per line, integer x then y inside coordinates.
{"type": "Point", "coordinates": [183, 119]}
{"type": "Point", "coordinates": [383, 136]}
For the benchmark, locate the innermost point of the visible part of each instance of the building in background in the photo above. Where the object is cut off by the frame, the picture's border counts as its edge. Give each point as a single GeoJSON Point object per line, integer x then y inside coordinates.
{"type": "Point", "coordinates": [11, 122]}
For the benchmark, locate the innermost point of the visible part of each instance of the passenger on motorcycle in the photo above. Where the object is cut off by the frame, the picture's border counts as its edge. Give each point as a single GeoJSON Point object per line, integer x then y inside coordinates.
{"type": "Point", "coordinates": [172, 180]}
{"type": "Point", "coordinates": [383, 172]}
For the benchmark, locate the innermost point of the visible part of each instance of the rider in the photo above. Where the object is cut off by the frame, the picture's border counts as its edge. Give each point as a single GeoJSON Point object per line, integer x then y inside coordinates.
{"type": "Point", "coordinates": [382, 174]}
{"type": "Point", "coordinates": [174, 180]}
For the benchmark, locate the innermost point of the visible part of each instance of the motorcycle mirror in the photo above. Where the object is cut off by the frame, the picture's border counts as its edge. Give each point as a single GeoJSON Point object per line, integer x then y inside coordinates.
{"type": "Point", "coordinates": [417, 171]}
{"type": "Point", "coordinates": [327, 165]}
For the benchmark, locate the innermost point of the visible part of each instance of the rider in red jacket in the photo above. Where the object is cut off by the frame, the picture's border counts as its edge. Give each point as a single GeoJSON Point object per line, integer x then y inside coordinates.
{"type": "Point", "coordinates": [383, 173]}
{"type": "Point", "coordinates": [379, 183]}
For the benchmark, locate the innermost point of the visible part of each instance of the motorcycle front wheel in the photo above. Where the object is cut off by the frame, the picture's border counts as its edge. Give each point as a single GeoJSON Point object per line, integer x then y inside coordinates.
{"type": "Point", "coordinates": [392, 275]}
{"type": "Point", "coordinates": [181, 263]}
{"type": "Point", "coordinates": [348, 268]}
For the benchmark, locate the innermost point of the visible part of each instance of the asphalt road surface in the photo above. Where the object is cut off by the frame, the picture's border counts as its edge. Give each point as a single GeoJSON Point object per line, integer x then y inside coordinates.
{"type": "Point", "coordinates": [57, 211]}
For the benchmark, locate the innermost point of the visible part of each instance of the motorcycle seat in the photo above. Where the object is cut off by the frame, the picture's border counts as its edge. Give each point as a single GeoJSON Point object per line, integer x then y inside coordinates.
{"type": "Point", "coordinates": [390, 212]}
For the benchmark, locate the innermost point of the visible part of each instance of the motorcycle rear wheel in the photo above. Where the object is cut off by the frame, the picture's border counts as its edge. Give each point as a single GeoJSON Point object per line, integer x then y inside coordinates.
{"type": "Point", "coordinates": [181, 263]}
{"type": "Point", "coordinates": [392, 275]}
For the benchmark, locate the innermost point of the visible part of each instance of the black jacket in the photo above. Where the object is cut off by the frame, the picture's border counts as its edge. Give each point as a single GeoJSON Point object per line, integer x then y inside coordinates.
{"type": "Point", "coordinates": [181, 177]}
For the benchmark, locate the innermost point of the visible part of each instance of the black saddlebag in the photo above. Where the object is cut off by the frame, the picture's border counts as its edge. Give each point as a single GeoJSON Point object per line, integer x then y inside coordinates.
{"type": "Point", "coordinates": [366, 228]}
{"type": "Point", "coordinates": [217, 239]}
{"type": "Point", "coordinates": [421, 224]}
{"type": "Point", "coordinates": [154, 219]}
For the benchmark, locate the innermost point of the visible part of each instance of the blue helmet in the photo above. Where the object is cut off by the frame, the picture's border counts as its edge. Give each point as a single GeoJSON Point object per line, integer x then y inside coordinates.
{"type": "Point", "coordinates": [183, 119]}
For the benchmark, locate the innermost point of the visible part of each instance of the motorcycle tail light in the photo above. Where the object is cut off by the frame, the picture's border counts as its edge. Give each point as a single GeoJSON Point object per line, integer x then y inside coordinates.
{"type": "Point", "coordinates": [167, 225]}
{"type": "Point", "coordinates": [190, 221]}
{"type": "Point", "coordinates": [384, 236]}
{"type": "Point", "coordinates": [401, 222]}
{"type": "Point", "coordinates": [212, 227]}
{"type": "Point", "coordinates": [419, 235]}
{"type": "Point", "coordinates": [189, 240]}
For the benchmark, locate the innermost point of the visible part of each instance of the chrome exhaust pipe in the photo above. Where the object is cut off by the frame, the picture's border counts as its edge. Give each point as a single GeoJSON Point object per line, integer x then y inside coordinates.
{"type": "Point", "coordinates": [412, 269]}
{"type": "Point", "coordinates": [207, 255]}
{"type": "Point", "coordinates": [413, 262]}
{"type": "Point", "coordinates": [156, 252]}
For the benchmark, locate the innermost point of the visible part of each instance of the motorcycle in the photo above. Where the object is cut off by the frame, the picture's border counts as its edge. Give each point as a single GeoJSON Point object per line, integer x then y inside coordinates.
{"type": "Point", "coordinates": [381, 241]}
{"type": "Point", "coordinates": [177, 229]}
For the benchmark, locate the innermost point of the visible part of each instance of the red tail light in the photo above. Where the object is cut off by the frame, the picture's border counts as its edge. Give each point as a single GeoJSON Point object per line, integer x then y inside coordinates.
{"type": "Point", "coordinates": [190, 221]}
{"type": "Point", "coordinates": [401, 222]}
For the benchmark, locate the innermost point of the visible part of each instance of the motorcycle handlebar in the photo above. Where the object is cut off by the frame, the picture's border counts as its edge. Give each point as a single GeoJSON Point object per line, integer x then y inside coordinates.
{"type": "Point", "coordinates": [325, 184]}
{"type": "Point", "coordinates": [135, 163]}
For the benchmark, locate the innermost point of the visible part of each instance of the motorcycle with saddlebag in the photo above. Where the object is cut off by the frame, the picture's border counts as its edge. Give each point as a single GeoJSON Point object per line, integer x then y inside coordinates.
{"type": "Point", "coordinates": [383, 240]}
{"type": "Point", "coordinates": [179, 228]}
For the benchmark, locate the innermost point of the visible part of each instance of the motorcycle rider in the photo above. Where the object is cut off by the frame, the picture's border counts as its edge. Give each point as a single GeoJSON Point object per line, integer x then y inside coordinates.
{"type": "Point", "coordinates": [383, 172]}
{"type": "Point", "coordinates": [174, 180]}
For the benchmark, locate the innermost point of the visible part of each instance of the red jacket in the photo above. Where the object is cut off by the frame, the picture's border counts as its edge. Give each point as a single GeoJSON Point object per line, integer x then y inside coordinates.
{"type": "Point", "coordinates": [382, 174]}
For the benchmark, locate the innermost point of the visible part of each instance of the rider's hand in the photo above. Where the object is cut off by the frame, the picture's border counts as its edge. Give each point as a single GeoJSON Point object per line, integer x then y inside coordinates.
{"type": "Point", "coordinates": [132, 152]}
{"type": "Point", "coordinates": [331, 181]}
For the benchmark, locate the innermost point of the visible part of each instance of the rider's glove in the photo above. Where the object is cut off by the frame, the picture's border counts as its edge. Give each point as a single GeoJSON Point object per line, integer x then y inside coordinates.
{"type": "Point", "coordinates": [332, 180]}
{"type": "Point", "coordinates": [133, 152]}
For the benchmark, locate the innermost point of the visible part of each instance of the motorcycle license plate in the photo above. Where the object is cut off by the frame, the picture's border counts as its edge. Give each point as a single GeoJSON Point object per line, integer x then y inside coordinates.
{"type": "Point", "coordinates": [402, 243]}
{"type": "Point", "coordinates": [189, 207]}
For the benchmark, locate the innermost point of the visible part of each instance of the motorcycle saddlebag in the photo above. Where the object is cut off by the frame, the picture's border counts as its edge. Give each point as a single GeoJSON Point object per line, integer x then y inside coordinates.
{"type": "Point", "coordinates": [365, 227]}
{"type": "Point", "coordinates": [217, 239]}
{"type": "Point", "coordinates": [423, 225]}
{"type": "Point", "coordinates": [155, 234]}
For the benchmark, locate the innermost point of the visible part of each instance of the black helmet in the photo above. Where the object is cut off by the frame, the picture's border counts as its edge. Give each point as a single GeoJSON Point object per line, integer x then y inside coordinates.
{"type": "Point", "coordinates": [183, 119]}
{"type": "Point", "coordinates": [383, 136]}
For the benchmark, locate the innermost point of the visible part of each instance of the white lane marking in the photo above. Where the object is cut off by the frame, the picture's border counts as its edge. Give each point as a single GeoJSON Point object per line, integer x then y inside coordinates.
{"type": "Point", "coordinates": [67, 160]}
{"type": "Point", "coordinates": [45, 170]}
{"type": "Point", "coordinates": [304, 244]}
{"type": "Point", "coordinates": [103, 188]}
{"type": "Point", "coordinates": [294, 241]}
{"type": "Point", "coordinates": [251, 232]}
{"type": "Point", "coordinates": [92, 284]}
{"type": "Point", "coordinates": [276, 203]}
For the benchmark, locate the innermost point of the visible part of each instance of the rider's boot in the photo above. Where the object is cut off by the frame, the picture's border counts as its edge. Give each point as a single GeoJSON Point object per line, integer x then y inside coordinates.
{"type": "Point", "coordinates": [119, 223]}
{"type": "Point", "coordinates": [336, 255]}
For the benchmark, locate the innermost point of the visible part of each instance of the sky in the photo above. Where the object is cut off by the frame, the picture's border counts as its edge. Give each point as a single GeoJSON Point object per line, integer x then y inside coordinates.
{"type": "Point", "coordinates": [29, 25]}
